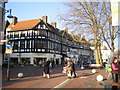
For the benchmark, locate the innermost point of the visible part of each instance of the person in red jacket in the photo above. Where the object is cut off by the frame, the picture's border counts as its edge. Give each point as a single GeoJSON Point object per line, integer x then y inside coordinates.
{"type": "Point", "coordinates": [115, 69]}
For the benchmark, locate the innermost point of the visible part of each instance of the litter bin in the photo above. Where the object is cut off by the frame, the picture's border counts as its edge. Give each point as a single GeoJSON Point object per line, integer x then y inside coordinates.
{"type": "Point", "coordinates": [108, 68]}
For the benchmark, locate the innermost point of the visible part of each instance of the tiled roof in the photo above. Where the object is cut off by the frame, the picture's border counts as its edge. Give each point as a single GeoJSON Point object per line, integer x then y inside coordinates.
{"type": "Point", "coordinates": [22, 25]}
{"type": "Point", "coordinates": [66, 35]}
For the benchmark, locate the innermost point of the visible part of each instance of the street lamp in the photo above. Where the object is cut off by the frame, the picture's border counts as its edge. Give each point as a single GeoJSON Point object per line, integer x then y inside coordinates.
{"type": "Point", "coordinates": [8, 69]}
{"type": "Point", "coordinates": [2, 16]}
{"type": "Point", "coordinates": [10, 16]}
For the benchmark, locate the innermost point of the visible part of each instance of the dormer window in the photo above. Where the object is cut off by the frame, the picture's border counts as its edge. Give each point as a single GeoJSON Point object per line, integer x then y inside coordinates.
{"type": "Point", "coordinates": [39, 26]}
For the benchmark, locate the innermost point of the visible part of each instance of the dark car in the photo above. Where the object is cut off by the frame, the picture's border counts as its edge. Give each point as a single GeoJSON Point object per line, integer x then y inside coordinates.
{"type": "Point", "coordinates": [5, 64]}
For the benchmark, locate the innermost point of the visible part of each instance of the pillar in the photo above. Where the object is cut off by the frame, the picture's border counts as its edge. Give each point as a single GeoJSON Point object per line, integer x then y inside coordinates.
{"type": "Point", "coordinates": [32, 60]}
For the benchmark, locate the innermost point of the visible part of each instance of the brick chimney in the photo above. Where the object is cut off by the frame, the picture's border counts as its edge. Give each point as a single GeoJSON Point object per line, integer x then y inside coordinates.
{"type": "Point", "coordinates": [72, 32]}
{"type": "Point", "coordinates": [54, 24]}
{"type": "Point", "coordinates": [14, 20]}
{"type": "Point", "coordinates": [44, 18]}
{"type": "Point", "coordinates": [66, 29]}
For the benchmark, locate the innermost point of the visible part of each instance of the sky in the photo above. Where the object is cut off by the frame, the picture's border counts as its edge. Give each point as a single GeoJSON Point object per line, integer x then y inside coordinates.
{"type": "Point", "coordinates": [35, 10]}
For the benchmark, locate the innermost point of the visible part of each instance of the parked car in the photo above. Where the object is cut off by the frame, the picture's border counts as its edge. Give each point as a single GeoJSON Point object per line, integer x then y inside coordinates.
{"type": "Point", "coordinates": [5, 64]}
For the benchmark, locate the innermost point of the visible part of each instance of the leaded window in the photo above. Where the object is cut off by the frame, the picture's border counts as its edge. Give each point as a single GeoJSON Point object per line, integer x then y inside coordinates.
{"type": "Point", "coordinates": [15, 45]}
{"type": "Point", "coordinates": [22, 44]}
{"type": "Point", "coordinates": [28, 43]}
{"type": "Point", "coordinates": [16, 35]}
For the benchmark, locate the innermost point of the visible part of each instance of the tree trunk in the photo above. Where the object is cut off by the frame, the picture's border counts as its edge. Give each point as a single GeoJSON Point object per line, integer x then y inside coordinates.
{"type": "Point", "coordinates": [95, 45]}
{"type": "Point", "coordinates": [112, 38]}
{"type": "Point", "coordinates": [100, 55]}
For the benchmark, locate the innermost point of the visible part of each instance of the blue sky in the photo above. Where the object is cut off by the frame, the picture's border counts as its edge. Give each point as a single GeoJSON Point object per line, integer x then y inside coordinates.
{"type": "Point", "coordinates": [35, 10]}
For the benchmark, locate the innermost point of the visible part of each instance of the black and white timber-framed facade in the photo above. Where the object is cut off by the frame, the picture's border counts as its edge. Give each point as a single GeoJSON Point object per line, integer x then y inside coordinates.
{"type": "Point", "coordinates": [36, 40]}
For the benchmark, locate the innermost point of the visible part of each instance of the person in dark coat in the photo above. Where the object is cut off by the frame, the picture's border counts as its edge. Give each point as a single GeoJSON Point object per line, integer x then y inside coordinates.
{"type": "Point", "coordinates": [52, 62]}
{"type": "Point", "coordinates": [46, 70]}
{"type": "Point", "coordinates": [73, 70]}
{"type": "Point", "coordinates": [115, 69]}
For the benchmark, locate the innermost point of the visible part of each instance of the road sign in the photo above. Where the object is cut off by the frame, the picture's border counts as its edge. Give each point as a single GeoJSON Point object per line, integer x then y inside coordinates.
{"type": "Point", "coordinates": [9, 48]}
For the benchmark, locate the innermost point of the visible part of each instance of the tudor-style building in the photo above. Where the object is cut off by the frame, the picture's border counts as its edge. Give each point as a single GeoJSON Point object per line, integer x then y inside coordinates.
{"type": "Point", "coordinates": [36, 40]}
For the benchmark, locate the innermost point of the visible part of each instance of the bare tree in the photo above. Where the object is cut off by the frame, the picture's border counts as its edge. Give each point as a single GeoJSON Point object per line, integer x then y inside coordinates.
{"type": "Point", "coordinates": [93, 19]}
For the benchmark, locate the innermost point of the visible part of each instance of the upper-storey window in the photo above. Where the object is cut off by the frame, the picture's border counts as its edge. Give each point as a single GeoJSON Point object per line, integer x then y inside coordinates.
{"type": "Point", "coordinates": [16, 34]}
{"type": "Point", "coordinates": [30, 33]}
{"type": "Point", "coordinates": [28, 43]}
{"type": "Point", "coordinates": [11, 34]}
{"type": "Point", "coordinates": [42, 33]}
{"type": "Point", "coordinates": [49, 34]}
{"type": "Point", "coordinates": [36, 32]}
{"type": "Point", "coordinates": [15, 45]}
{"type": "Point", "coordinates": [53, 35]}
{"type": "Point", "coordinates": [41, 26]}
{"type": "Point", "coordinates": [22, 44]}
{"type": "Point", "coordinates": [22, 34]}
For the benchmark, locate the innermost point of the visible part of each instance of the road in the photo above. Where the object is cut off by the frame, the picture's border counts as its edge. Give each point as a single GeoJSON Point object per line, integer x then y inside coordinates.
{"type": "Point", "coordinates": [33, 78]}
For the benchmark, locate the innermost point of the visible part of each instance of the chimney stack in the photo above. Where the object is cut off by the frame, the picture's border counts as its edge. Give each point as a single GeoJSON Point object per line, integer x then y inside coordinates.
{"type": "Point", "coordinates": [54, 24]}
{"type": "Point", "coordinates": [14, 20]}
{"type": "Point", "coordinates": [72, 32]}
{"type": "Point", "coordinates": [66, 29]}
{"type": "Point", "coordinates": [44, 18]}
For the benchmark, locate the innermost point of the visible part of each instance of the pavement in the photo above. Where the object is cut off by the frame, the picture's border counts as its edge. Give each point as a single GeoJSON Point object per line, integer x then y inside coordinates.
{"type": "Point", "coordinates": [33, 79]}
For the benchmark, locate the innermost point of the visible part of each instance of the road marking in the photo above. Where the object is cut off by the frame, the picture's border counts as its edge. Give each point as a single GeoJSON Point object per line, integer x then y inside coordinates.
{"type": "Point", "coordinates": [62, 84]}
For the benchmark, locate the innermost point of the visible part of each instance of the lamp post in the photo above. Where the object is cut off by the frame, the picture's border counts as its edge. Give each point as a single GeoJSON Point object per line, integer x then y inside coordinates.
{"type": "Point", "coordinates": [8, 51]}
{"type": "Point", "coordinates": [8, 68]}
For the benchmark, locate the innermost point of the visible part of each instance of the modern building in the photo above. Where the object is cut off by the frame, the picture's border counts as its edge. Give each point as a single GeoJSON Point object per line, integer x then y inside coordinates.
{"type": "Point", "coordinates": [36, 40]}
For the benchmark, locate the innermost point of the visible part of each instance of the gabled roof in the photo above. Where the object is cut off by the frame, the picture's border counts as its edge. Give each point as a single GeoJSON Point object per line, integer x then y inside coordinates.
{"type": "Point", "coordinates": [22, 25]}
{"type": "Point", "coordinates": [66, 35]}
{"type": "Point", "coordinates": [30, 24]}
{"type": "Point", "coordinates": [51, 28]}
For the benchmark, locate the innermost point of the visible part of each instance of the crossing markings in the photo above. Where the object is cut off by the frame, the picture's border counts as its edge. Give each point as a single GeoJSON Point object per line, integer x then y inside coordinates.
{"type": "Point", "coordinates": [62, 84]}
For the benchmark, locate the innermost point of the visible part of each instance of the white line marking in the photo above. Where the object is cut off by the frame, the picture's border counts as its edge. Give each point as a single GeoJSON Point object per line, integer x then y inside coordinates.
{"type": "Point", "coordinates": [61, 84]}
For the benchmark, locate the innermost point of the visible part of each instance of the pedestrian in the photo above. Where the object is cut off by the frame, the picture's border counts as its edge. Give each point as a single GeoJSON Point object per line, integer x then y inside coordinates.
{"type": "Point", "coordinates": [57, 62]}
{"type": "Point", "coordinates": [52, 62]}
{"type": "Point", "coordinates": [73, 73]}
{"type": "Point", "coordinates": [40, 63]}
{"type": "Point", "coordinates": [115, 69]}
{"type": "Point", "coordinates": [70, 69]}
{"type": "Point", "coordinates": [46, 71]}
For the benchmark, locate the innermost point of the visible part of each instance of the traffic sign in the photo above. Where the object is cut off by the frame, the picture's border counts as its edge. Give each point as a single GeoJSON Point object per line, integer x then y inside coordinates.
{"type": "Point", "coordinates": [9, 48]}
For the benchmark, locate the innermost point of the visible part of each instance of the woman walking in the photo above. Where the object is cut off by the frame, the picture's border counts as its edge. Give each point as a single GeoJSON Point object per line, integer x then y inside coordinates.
{"type": "Point", "coordinates": [70, 69]}
{"type": "Point", "coordinates": [115, 69]}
